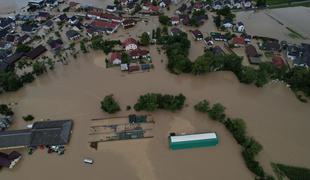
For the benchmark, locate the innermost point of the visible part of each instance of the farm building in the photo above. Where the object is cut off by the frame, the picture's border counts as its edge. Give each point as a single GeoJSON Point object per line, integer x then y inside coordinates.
{"type": "Point", "coordinates": [193, 141]}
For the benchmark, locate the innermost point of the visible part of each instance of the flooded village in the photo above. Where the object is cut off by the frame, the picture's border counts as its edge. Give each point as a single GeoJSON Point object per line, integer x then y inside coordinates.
{"type": "Point", "coordinates": [75, 78]}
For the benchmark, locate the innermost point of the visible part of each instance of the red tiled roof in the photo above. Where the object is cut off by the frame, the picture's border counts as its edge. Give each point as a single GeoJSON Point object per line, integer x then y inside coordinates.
{"type": "Point", "coordinates": [129, 41]}
{"type": "Point", "coordinates": [151, 6]}
{"type": "Point", "coordinates": [138, 52]}
{"type": "Point", "coordinates": [175, 18]}
{"type": "Point", "coordinates": [278, 61]}
{"type": "Point", "coordinates": [115, 55]}
{"type": "Point", "coordinates": [238, 40]}
{"type": "Point", "coordinates": [105, 15]}
{"type": "Point", "coordinates": [104, 24]}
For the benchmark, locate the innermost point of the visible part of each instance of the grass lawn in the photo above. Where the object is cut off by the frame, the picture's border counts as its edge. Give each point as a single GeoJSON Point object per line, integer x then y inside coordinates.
{"type": "Point", "coordinates": [290, 172]}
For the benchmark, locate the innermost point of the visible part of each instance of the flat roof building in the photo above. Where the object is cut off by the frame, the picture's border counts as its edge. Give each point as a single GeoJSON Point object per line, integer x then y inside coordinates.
{"type": "Point", "coordinates": [193, 141]}
{"type": "Point", "coordinates": [42, 133]}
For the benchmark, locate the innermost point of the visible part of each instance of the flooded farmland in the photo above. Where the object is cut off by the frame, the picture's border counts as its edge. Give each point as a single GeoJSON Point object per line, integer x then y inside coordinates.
{"type": "Point", "coordinates": [273, 22]}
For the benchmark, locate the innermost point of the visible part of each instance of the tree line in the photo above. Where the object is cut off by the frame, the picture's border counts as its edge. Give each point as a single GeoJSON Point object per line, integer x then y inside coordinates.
{"type": "Point", "coordinates": [237, 127]}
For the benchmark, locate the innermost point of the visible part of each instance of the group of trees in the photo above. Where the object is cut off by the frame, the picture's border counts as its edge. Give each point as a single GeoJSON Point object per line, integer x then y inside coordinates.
{"type": "Point", "coordinates": [109, 105]}
{"type": "Point", "coordinates": [177, 49]}
{"type": "Point", "coordinates": [145, 39]}
{"type": "Point", "coordinates": [153, 101]}
{"type": "Point", "coordinates": [237, 127]}
{"type": "Point", "coordinates": [11, 81]}
{"type": "Point", "coordinates": [164, 20]}
{"type": "Point", "coordinates": [6, 110]}
{"type": "Point", "coordinates": [105, 45]}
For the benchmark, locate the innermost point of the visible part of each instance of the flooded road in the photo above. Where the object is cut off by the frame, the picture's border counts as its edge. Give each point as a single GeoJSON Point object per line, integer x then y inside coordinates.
{"type": "Point", "coordinates": [273, 114]}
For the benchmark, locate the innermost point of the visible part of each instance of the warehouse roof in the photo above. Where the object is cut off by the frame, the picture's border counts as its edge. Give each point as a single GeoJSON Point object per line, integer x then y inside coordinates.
{"type": "Point", "coordinates": [193, 137]}
{"type": "Point", "coordinates": [42, 133]}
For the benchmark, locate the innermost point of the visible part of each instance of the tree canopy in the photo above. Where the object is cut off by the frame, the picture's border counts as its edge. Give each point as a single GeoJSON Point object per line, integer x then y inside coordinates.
{"type": "Point", "coordinates": [153, 101]}
{"type": "Point", "coordinates": [109, 105]}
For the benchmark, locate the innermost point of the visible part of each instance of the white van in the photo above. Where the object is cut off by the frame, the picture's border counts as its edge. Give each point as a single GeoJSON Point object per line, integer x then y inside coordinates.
{"type": "Point", "coordinates": [88, 161]}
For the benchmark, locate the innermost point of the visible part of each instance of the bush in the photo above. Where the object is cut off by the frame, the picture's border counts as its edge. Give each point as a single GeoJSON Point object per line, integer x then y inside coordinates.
{"type": "Point", "coordinates": [6, 110]}
{"type": "Point", "coordinates": [109, 105]}
{"type": "Point", "coordinates": [202, 106]}
{"type": "Point", "coordinates": [29, 117]}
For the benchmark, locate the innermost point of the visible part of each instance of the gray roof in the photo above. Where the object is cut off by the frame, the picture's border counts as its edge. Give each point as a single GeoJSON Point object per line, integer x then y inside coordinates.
{"type": "Point", "coordinates": [15, 138]}
{"type": "Point", "coordinates": [42, 133]}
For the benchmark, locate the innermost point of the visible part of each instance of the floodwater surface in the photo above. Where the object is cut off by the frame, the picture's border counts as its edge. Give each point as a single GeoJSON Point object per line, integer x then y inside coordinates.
{"type": "Point", "coordinates": [273, 115]}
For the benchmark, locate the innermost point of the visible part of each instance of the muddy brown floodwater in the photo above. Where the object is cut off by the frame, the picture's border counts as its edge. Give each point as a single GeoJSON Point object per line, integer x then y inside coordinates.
{"type": "Point", "coordinates": [273, 115]}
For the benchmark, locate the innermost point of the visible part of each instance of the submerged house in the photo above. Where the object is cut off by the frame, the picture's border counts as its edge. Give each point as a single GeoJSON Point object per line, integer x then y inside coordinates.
{"type": "Point", "coordinates": [36, 52]}
{"type": "Point", "coordinates": [42, 133]}
{"type": "Point", "coordinates": [177, 142]}
{"type": "Point", "coordinates": [252, 54]}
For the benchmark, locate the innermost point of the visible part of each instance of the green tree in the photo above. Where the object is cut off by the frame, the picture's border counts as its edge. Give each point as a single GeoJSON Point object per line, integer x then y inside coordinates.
{"type": "Point", "coordinates": [38, 68]}
{"type": "Point", "coordinates": [27, 78]}
{"type": "Point", "coordinates": [158, 33]}
{"type": "Point", "coordinates": [126, 59]}
{"type": "Point", "coordinates": [6, 110]}
{"type": "Point", "coordinates": [248, 75]}
{"type": "Point", "coordinates": [148, 102]}
{"type": "Point", "coordinates": [145, 39]}
{"type": "Point", "coordinates": [109, 105]}
{"type": "Point", "coordinates": [10, 81]}
{"type": "Point", "coordinates": [217, 112]}
{"type": "Point", "coordinates": [23, 48]}
{"type": "Point", "coordinates": [237, 127]}
{"type": "Point", "coordinates": [164, 20]}
{"type": "Point", "coordinates": [200, 66]}
{"type": "Point", "coordinates": [83, 47]}
{"type": "Point", "coordinates": [203, 106]}
{"type": "Point", "coordinates": [29, 117]}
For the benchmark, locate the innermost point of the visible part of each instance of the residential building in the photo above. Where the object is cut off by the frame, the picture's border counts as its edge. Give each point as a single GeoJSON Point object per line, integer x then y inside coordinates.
{"type": "Point", "coordinates": [198, 36]}
{"type": "Point", "coordinates": [48, 25]}
{"type": "Point", "coordinates": [111, 8]}
{"type": "Point", "coordinates": [108, 27]}
{"type": "Point", "coordinates": [73, 20]}
{"type": "Point", "coordinates": [253, 56]}
{"type": "Point", "coordinates": [139, 53]}
{"type": "Point", "coordinates": [278, 61]}
{"type": "Point", "coordinates": [128, 23]}
{"type": "Point", "coordinates": [36, 52]}
{"type": "Point", "coordinates": [73, 35]}
{"type": "Point", "coordinates": [175, 31]}
{"type": "Point", "coordinates": [130, 44]}
{"type": "Point", "coordinates": [175, 20]}
{"type": "Point", "coordinates": [238, 41]}
{"type": "Point", "coordinates": [115, 58]}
